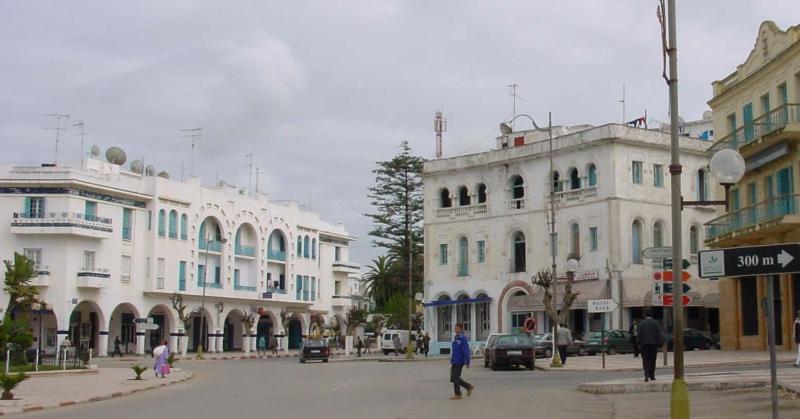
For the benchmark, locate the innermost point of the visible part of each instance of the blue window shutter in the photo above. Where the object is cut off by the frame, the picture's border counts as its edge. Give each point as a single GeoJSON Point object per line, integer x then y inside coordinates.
{"type": "Point", "coordinates": [27, 206]}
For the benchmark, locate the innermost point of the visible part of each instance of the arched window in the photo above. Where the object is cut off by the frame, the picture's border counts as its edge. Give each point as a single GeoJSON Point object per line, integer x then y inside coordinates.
{"type": "Point", "coordinates": [444, 198]}
{"type": "Point", "coordinates": [463, 196]}
{"type": "Point", "coordinates": [575, 240]}
{"type": "Point", "coordinates": [574, 179]}
{"type": "Point", "coordinates": [299, 246]}
{"type": "Point", "coordinates": [556, 181]}
{"type": "Point", "coordinates": [693, 240]}
{"type": "Point", "coordinates": [173, 224]}
{"type": "Point", "coordinates": [702, 185]}
{"type": "Point", "coordinates": [481, 193]}
{"type": "Point", "coordinates": [306, 247]}
{"type": "Point", "coordinates": [658, 234]}
{"type": "Point", "coordinates": [184, 226]}
{"type": "Point", "coordinates": [313, 248]}
{"type": "Point", "coordinates": [463, 257]}
{"type": "Point", "coordinates": [518, 244]}
{"type": "Point", "coordinates": [592, 175]}
{"type": "Point", "coordinates": [463, 315]}
{"type": "Point", "coordinates": [162, 223]}
{"type": "Point", "coordinates": [517, 187]}
{"type": "Point", "coordinates": [444, 319]}
{"type": "Point", "coordinates": [636, 242]}
{"type": "Point", "coordinates": [483, 311]}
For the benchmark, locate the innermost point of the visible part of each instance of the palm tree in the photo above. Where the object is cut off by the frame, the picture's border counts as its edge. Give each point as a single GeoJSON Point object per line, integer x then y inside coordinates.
{"type": "Point", "coordinates": [380, 280]}
{"type": "Point", "coordinates": [17, 284]}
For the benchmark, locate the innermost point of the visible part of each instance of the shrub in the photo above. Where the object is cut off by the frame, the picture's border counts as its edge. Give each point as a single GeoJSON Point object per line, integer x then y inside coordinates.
{"type": "Point", "coordinates": [9, 382]}
{"type": "Point", "coordinates": [138, 369]}
{"type": "Point", "coordinates": [172, 359]}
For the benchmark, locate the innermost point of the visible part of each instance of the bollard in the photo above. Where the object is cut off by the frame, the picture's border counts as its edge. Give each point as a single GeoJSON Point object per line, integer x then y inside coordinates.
{"type": "Point", "coordinates": [36, 365]}
{"type": "Point", "coordinates": [65, 358]}
{"type": "Point", "coordinates": [8, 358]}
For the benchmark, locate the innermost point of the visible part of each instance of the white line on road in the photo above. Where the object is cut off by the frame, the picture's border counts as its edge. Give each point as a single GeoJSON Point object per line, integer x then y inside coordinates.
{"type": "Point", "coordinates": [343, 385]}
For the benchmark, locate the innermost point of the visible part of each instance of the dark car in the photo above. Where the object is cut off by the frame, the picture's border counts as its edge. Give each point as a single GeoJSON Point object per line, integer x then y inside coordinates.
{"type": "Point", "coordinates": [544, 346]}
{"type": "Point", "coordinates": [507, 350]}
{"type": "Point", "coordinates": [693, 339]}
{"type": "Point", "coordinates": [312, 349]}
{"type": "Point", "coordinates": [616, 341]}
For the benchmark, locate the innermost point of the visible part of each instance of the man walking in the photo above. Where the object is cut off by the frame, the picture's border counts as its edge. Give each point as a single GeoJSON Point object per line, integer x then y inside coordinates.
{"type": "Point", "coordinates": [117, 345]}
{"type": "Point", "coordinates": [397, 345]}
{"type": "Point", "coordinates": [426, 341]}
{"type": "Point", "coordinates": [459, 357]}
{"type": "Point", "coordinates": [634, 331]}
{"type": "Point", "coordinates": [359, 345]}
{"type": "Point", "coordinates": [797, 338]}
{"type": "Point", "coordinates": [564, 340]}
{"type": "Point", "coordinates": [650, 339]}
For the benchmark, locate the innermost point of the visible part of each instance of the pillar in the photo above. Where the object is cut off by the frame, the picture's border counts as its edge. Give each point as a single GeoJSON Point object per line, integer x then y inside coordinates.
{"type": "Point", "coordinates": [246, 342]}
{"type": "Point", "coordinates": [212, 342]}
{"type": "Point", "coordinates": [173, 342]}
{"type": "Point", "coordinates": [183, 342]}
{"type": "Point", "coordinates": [473, 320]}
{"type": "Point", "coordinates": [253, 338]}
{"type": "Point", "coordinates": [139, 343]}
{"type": "Point", "coordinates": [103, 349]}
{"type": "Point", "coordinates": [60, 336]}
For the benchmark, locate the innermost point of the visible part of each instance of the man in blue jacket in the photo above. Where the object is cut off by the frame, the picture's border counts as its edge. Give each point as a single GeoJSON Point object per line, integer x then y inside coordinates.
{"type": "Point", "coordinates": [459, 357]}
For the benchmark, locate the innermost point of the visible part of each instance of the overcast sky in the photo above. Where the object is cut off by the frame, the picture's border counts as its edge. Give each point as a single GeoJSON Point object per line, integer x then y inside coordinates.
{"type": "Point", "coordinates": [320, 90]}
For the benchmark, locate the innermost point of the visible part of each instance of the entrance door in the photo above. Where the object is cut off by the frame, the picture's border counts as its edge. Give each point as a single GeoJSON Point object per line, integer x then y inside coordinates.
{"type": "Point", "coordinates": [295, 334]}
{"type": "Point", "coordinates": [196, 335]}
{"type": "Point", "coordinates": [228, 342]}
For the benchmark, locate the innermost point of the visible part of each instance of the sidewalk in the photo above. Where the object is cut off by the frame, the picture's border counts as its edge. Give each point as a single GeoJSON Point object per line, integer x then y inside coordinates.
{"type": "Point", "coordinates": [337, 355]}
{"type": "Point", "coordinates": [46, 392]}
{"type": "Point", "coordinates": [692, 359]}
{"type": "Point", "coordinates": [788, 378]}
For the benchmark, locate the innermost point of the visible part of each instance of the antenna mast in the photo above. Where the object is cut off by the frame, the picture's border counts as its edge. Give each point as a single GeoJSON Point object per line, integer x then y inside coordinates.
{"type": "Point", "coordinates": [58, 129]}
{"type": "Point", "coordinates": [194, 134]}
{"type": "Point", "coordinates": [250, 174]}
{"type": "Point", "coordinates": [439, 126]}
{"type": "Point", "coordinates": [258, 175]}
{"type": "Point", "coordinates": [623, 104]}
{"type": "Point", "coordinates": [83, 136]}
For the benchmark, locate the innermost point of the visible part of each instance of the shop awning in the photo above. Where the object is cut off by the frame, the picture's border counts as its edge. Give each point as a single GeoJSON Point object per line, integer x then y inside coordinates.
{"type": "Point", "coordinates": [454, 302]}
{"type": "Point", "coordinates": [586, 290]}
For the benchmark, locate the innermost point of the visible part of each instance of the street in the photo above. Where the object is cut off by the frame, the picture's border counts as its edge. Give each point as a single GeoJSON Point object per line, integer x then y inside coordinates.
{"type": "Point", "coordinates": [354, 390]}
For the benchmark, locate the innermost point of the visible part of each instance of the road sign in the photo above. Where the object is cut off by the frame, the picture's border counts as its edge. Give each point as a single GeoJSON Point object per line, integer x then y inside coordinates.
{"type": "Point", "coordinates": [751, 260]}
{"type": "Point", "coordinates": [601, 306]}
{"type": "Point", "coordinates": [666, 300]}
{"type": "Point", "coordinates": [667, 264]}
{"type": "Point", "coordinates": [147, 326]}
{"type": "Point", "coordinates": [657, 252]}
{"type": "Point", "coordinates": [666, 276]}
{"type": "Point", "coordinates": [666, 288]}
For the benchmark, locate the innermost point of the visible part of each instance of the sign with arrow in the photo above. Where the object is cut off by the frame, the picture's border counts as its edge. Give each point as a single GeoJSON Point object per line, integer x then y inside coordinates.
{"type": "Point", "coordinates": [667, 300]}
{"type": "Point", "coordinates": [601, 306]}
{"type": "Point", "coordinates": [657, 252]}
{"type": "Point", "coordinates": [666, 276]}
{"type": "Point", "coordinates": [666, 288]}
{"type": "Point", "coordinates": [750, 260]}
{"type": "Point", "coordinates": [147, 326]}
{"type": "Point", "coordinates": [667, 264]}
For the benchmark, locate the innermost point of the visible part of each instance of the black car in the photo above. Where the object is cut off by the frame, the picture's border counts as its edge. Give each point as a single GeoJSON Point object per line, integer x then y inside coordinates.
{"type": "Point", "coordinates": [312, 349]}
{"type": "Point", "coordinates": [507, 350]}
{"type": "Point", "coordinates": [693, 339]}
{"type": "Point", "coordinates": [544, 346]}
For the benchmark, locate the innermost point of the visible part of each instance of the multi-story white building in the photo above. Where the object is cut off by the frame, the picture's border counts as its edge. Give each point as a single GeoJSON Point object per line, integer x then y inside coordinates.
{"type": "Point", "coordinates": [111, 246]}
{"type": "Point", "coordinates": [487, 232]}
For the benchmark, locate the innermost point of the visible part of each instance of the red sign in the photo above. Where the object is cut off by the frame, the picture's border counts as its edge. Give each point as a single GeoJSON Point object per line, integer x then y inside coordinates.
{"type": "Point", "coordinates": [666, 300]}
{"type": "Point", "coordinates": [657, 276]}
{"type": "Point", "coordinates": [667, 276]}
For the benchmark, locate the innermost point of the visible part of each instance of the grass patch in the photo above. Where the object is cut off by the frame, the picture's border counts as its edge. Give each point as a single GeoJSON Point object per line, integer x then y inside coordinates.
{"type": "Point", "coordinates": [30, 368]}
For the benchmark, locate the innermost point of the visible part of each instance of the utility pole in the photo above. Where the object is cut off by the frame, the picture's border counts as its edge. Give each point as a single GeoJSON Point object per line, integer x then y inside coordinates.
{"type": "Point", "coordinates": [58, 129]}
{"type": "Point", "coordinates": [194, 134]}
{"type": "Point", "coordinates": [553, 245]}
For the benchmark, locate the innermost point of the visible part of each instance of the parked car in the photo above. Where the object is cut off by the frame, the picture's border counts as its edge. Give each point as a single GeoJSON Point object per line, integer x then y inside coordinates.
{"type": "Point", "coordinates": [312, 349]}
{"type": "Point", "coordinates": [544, 346]}
{"type": "Point", "coordinates": [616, 341]}
{"type": "Point", "coordinates": [507, 350]}
{"type": "Point", "coordinates": [693, 339]}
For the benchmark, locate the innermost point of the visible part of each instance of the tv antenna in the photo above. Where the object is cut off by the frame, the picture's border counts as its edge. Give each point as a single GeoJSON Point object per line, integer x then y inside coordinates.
{"type": "Point", "coordinates": [258, 175]}
{"type": "Point", "coordinates": [439, 126]}
{"type": "Point", "coordinates": [194, 134]}
{"type": "Point", "coordinates": [58, 129]}
{"type": "Point", "coordinates": [623, 104]}
{"type": "Point", "coordinates": [514, 97]}
{"type": "Point", "coordinates": [83, 137]}
{"type": "Point", "coordinates": [250, 174]}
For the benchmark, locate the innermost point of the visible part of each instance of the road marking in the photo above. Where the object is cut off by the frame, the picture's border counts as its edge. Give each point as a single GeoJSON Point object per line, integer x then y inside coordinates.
{"type": "Point", "coordinates": [343, 385]}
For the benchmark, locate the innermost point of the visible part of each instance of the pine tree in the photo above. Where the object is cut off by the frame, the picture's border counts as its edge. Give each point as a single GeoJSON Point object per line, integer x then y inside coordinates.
{"type": "Point", "coordinates": [397, 199]}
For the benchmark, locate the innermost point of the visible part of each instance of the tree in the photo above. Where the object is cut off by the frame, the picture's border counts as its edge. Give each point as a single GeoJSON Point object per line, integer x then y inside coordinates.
{"type": "Point", "coordinates": [544, 278]}
{"type": "Point", "coordinates": [17, 284]}
{"type": "Point", "coordinates": [183, 316]}
{"type": "Point", "coordinates": [355, 318]}
{"type": "Point", "coordinates": [397, 200]}
{"type": "Point", "coordinates": [381, 281]}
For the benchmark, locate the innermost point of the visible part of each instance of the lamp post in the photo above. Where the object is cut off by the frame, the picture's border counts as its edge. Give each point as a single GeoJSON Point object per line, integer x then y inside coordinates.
{"type": "Point", "coordinates": [507, 129]}
{"type": "Point", "coordinates": [203, 300]}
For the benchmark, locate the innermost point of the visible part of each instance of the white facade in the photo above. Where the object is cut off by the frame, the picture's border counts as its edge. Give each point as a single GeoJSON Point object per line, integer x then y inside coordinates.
{"type": "Point", "coordinates": [614, 197]}
{"type": "Point", "coordinates": [112, 246]}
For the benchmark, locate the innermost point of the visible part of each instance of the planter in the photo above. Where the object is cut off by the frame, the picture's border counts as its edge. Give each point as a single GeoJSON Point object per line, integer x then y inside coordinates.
{"type": "Point", "coordinates": [10, 403]}
{"type": "Point", "coordinates": [176, 369]}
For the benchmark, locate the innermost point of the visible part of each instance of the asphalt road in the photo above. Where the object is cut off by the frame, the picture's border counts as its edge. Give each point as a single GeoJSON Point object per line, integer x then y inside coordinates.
{"type": "Point", "coordinates": [355, 390]}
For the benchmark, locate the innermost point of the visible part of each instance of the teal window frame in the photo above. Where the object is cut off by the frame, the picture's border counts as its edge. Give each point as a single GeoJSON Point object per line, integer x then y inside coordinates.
{"type": "Point", "coordinates": [463, 256]}
{"type": "Point", "coordinates": [184, 227]}
{"type": "Point", "coordinates": [182, 275]}
{"type": "Point", "coordinates": [592, 175]}
{"type": "Point", "coordinates": [636, 172]}
{"type": "Point", "coordinates": [306, 247]}
{"type": "Point", "coordinates": [127, 218]}
{"type": "Point", "coordinates": [481, 247]}
{"type": "Point", "coordinates": [173, 224]}
{"type": "Point", "coordinates": [592, 239]}
{"type": "Point", "coordinates": [658, 175]}
{"type": "Point", "coordinates": [443, 254]}
{"type": "Point", "coordinates": [162, 223]}
{"type": "Point", "coordinates": [299, 288]}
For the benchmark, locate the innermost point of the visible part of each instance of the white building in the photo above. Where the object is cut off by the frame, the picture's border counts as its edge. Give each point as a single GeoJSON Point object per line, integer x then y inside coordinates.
{"type": "Point", "coordinates": [487, 233]}
{"type": "Point", "coordinates": [111, 246]}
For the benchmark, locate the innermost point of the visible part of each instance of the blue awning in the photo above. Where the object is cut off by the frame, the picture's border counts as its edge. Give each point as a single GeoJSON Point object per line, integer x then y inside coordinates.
{"type": "Point", "coordinates": [454, 302]}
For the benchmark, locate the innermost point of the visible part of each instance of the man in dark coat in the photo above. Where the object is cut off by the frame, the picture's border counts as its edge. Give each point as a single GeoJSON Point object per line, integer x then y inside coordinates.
{"type": "Point", "coordinates": [650, 338]}
{"type": "Point", "coordinates": [634, 331]}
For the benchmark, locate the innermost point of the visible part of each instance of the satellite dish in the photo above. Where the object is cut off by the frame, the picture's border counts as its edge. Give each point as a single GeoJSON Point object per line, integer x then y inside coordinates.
{"type": "Point", "coordinates": [95, 150]}
{"type": "Point", "coordinates": [221, 184]}
{"type": "Point", "coordinates": [681, 122]}
{"type": "Point", "coordinates": [150, 170]}
{"type": "Point", "coordinates": [163, 174]}
{"type": "Point", "coordinates": [707, 115]}
{"type": "Point", "coordinates": [115, 155]}
{"type": "Point", "coordinates": [137, 166]}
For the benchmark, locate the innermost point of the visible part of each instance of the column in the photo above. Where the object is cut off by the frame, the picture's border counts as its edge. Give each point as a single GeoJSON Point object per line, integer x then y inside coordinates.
{"type": "Point", "coordinates": [183, 342]}
{"type": "Point", "coordinates": [173, 342]}
{"type": "Point", "coordinates": [473, 317]}
{"type": "Point", "coordinates": [253, 338]}
{"type": "Point", "coordinates": [246, 342]}
{"type": "Point", "coordinates": [103, 349]}
{"type": "Point", "coordinates": [139, 343]}
{"type": "Point", "coordinates": [212, 341]}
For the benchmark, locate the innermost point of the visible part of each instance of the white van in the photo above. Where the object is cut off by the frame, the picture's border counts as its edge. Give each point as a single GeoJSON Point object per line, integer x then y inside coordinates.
{"type": "Point", "coordinates": [387, 340]}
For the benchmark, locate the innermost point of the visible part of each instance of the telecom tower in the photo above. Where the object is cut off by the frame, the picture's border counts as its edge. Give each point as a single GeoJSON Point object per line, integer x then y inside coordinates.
{"type": "Point", "coordinates": [439, 126]}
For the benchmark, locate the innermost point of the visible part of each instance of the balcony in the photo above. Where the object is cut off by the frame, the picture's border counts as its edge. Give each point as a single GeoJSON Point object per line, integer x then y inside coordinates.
{"type": "Point", "coordinates": [341, 301]}
{"type": "Point", "coordinates": [213, 246]}
{"type": "Point", "coordinates": [239, 287]}
{"type": "Point", "coordinates": [751, 224]}
{"type": "Point", "coordinates": [68, 223]}
{"type": "Point", "coordinates": [244, 250]}
{"type": "Point", "coordinates": [780, 123]}
{"type": "Point", "coordinates": [212, 285]}
{"type": "Point", "coordinates": [276, 255]}
{"type": "Point", "coordinates": [345, 267]}
{"type": "Point", "coordinates": [575, 195]}
{"type": "Point", "coordinates": [42, 278]}
{"type": "Point", "coordinates": [466, 211]}
{"type": "Point", "coordinates": [93, 278]}
{"type": "Point", "coordinates": [516, 204]}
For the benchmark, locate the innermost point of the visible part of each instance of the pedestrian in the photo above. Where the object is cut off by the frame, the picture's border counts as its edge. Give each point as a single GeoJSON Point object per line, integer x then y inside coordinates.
{"type": "Point", "coordinates": [797, 338]}
{"type": "Point", "coordinates": [650, 338]}
{"type": "Point", "coordinates": [563, 342]}
{"type": "Point", "coordinates": [367, 344]}
{"type": "Point", "coordinates": [426, 341]}
{"type": "Point", "coordinates": [459, 358]}
{"type": "Point", "coordinates": [261, 345]}
{"type": "Point", "coordinates": [274, 347]}
{"type": "Point", "coordinates": [634, 331]}
{"type": "Point", "coordinates": [161, 353]}
{"type": "Point", "coordinates": [117, 345]}
{"type": "Point", "coordinates": [359, 345]}
{"type": "Point", "coordinates": [397, 345]}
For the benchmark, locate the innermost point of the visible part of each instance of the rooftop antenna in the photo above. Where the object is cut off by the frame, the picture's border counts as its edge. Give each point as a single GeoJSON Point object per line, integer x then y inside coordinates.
{"type": "Point", "coordinates": [83, 136]}
{"type": "Point", "coordinates": [513, 87]}
{"type": "Point", "coordinates": [258, 175]}
{"type": "Point", "coordinates": [250, 174]}
{"type": "Point", "coordinates": [194, 134]}
{"type": "Point", "coordinates": [58, 129]}
{"type": "Point", "coordinates": [623, 104]}
{"type": "Point", "coordinates": [439, 126]}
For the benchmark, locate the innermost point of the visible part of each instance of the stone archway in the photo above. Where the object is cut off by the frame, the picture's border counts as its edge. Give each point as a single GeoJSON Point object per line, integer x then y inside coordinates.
{"type": "Point", "coordinates": [507, 292]}
{"type": "Point", "coordinates": [86, 327]}
{"type": "Point", "coordinates": [121, 325]}
{"type": "Point", "coordinates": [294, 334]}
{"type": "Point", "coordinates": [232, 331]}
{"type": "Point", "coordinates": [265, 327]}
{"type": "Point", "coordinates": [162, 316]}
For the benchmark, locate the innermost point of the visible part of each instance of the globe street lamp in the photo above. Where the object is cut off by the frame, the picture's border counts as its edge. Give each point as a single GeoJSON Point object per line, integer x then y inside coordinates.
{"type": "Point", "coordinates": [728, 167]}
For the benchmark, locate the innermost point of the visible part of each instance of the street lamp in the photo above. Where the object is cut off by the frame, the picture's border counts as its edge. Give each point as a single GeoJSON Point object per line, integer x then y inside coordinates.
{"type": "Point", "coordinates": [728, 167]}
{"type": "Point", "coordinates": [203, 300]}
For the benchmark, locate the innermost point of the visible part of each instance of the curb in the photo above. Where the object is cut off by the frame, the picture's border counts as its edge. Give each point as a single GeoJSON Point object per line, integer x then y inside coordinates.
{"type": "Point", "coordinates": [666, 386]}
{"type": "Point", "coordinates": [658, 367]}
{"type": "Point", "coordinates": [35, 408]}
